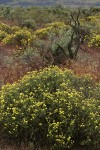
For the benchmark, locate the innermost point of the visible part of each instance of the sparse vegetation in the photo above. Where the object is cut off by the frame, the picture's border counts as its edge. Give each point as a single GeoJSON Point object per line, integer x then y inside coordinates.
{"type": "Point", "coordinates": [47, 100]}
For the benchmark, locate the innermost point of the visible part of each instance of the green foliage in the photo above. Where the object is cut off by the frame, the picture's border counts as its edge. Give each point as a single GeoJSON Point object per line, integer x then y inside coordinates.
{"type": "Point", "coordinates": [3, 34]}
{"type": "Point", "coordinates": [5, 27]}
{"type": "Point", "coordinates": [52, 106]}
{"type": "Point", "coordinates": [9, 39]}
{"type": "Point", "coordinates": [51, 28]}
{"type": "Point", "coordinates": [95, 40]}
{"type": "Point", "coordinates": [57, 25]}
{"type": "Point", "coordinates": [15, 28]}
{"type": "Point", "coordinates": [29, 57]}
{"type": "Point", "coordinates": [43, 33]}
{"type": "Point", "coordinates": [21, 37]}
{"type": "Point", "coordinates": [94, 22]}
{"type": "Point", "coordinates": [59, 45]}
{"type": "Point", "coordinates": [5, 11]}
{"type": "Point", "coordinates": [29, 24]}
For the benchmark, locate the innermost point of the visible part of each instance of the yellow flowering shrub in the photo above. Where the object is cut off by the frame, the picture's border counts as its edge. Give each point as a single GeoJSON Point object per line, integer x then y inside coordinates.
{"type": "Point", "coordinates": [3, 34]}
{"type": "Point", "coordinates": [52, 106]}
{"type": "Point", "coordinates": [43, 33]}
{"type": "Point", "coordinates": [54, 27]}
{"type": "Point", "coordinates": [5, 27]}
{"type": "Point", "coordinates": [57, 25]}
{"type": "Point", "coordinates": [21, 37]}
{"type": "Point", "coordinates": [95, 40]}
{"type": "Point", "coordinates": [94, 21]}
{"type": "Point", "coordinates": [15, 28]}
{"type": "Point", "coordinates": [9, 39]}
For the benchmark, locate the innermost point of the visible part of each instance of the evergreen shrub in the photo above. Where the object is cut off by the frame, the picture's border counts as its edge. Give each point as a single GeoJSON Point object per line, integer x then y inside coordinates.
{"type": "Point", "coordinates": [21, 37]}
{"type": "Point", "coordinates": [52, 106]}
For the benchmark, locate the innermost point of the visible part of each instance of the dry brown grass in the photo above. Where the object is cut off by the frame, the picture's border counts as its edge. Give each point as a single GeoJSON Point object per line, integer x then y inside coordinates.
{"type": "Point", "coordinates": [88, 62]}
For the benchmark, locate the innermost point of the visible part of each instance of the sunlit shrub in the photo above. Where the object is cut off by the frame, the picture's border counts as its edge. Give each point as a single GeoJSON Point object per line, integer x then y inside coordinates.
{"type": "Point", "coordinates": [9, 39]}
{"type": "Point", "coordinates": [58, 25]}
{"type": "Point", "coordinates": [95, 41]}
{"type": "Point", "coordinates": [3, 34]}
{"type": "Point", "coordinates": [15, 28]}
{"type": "Point", "coordinates": [43, 33]}
{"type": "Point", "coordinates": [55, 28]}
{"type": "Point", "coordinates": [94, 21]}
{"type": "Point", "coordinates": [5, 27]}
{"type": "Point", "coordinates": [52, 106]}
{"type": "Point", "coordinates": [20, 37]}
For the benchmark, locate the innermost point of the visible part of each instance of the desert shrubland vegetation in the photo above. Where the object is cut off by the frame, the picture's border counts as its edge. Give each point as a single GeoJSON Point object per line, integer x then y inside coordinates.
{"type": "Point", "coordinates": [50, 78]}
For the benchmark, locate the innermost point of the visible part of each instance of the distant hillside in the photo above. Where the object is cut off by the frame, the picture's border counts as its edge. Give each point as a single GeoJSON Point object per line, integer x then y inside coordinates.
{"type": "Point", "coordinates": [50, 2]}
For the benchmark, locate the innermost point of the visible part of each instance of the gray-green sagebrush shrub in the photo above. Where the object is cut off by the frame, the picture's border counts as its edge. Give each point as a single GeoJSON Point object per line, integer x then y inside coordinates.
{"type": "Point", "coordinates": [52, 107]}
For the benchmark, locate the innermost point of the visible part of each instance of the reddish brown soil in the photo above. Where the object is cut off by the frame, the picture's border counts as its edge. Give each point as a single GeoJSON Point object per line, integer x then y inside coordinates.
{"type": "Point", "coordinates": [88, 62]}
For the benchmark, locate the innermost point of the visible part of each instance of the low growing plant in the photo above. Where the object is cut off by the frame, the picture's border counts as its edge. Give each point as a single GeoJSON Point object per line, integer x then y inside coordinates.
{"type": "Point", "coordinates": [21, 37]}
{"type": "Point", "coordinates": [3, 34]}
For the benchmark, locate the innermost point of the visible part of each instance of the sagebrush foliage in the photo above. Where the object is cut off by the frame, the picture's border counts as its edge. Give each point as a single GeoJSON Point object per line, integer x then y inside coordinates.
{"type": "Point", "coordinates": [52, 106]}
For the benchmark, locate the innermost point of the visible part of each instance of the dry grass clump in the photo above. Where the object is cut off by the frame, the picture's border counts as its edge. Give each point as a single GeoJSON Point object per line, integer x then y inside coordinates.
{"type": "Point", "coordinates": [88, 62]}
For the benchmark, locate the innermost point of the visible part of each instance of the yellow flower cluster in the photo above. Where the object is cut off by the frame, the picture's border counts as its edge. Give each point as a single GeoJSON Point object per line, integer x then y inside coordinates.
{"type": "Point", "coordinates": [53, 103]}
